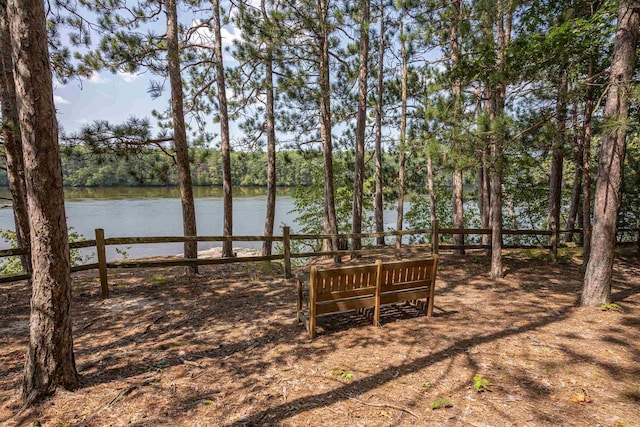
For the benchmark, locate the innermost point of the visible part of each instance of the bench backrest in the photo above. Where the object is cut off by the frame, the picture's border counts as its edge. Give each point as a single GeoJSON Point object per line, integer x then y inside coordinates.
{"type": "Point", "coordinates": [344, 288]}
{"type": "Point", "coordinates": [408, 281]}
{"type": "Point", "coordinates": [398, 275]}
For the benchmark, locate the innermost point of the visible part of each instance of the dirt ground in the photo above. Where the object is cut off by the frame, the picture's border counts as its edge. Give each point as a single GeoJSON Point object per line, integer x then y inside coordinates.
{"type": "Point", "coordinates": [224, 349]}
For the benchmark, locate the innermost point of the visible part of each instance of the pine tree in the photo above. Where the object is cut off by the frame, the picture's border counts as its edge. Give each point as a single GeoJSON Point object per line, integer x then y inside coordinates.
{"type": "Point", "coordinates": [50, 361]}
{"type": "Point", "coordinates": [597, 280]}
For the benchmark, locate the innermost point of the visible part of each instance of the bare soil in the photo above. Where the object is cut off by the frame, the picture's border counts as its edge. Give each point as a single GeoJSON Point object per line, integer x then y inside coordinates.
{"type": "Point", "coordinates": [224, 349]}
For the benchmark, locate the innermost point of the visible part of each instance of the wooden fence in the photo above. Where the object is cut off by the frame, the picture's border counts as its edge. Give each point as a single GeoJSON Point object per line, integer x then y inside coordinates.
{"type": "Point", "coordinates": [286, 255]}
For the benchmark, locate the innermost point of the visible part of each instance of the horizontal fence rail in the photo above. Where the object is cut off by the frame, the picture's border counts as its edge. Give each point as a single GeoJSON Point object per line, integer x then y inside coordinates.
{"type": "Point", "coordinates": [434, 245]}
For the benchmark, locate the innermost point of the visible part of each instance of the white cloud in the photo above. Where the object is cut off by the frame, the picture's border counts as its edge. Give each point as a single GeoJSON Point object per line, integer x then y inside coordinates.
{"type": "Point", "coordinates": [128, 77]}
{"type": "Point", "coordinates": [97, 79]}
{"type": "Point", "coordinates": [204, 35]}
{"type": "Point", "coordinates": [60, 100]}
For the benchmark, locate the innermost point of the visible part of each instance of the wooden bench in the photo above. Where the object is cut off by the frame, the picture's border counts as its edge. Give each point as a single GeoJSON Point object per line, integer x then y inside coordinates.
{"type": "Point", "coordinates": [334, 290]}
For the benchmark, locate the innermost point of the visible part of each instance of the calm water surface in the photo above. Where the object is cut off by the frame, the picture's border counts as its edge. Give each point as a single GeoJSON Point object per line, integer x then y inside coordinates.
{"type": "Point", "coordinates": [156, 211]}
{"type": "Point", "coordinates": [138, 212]}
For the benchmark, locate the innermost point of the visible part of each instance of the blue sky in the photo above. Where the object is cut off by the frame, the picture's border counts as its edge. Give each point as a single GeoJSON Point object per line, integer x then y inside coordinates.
{"type": "Point", "coordinates": [116, 97]}
{"type": "Point", "coordinates": [105, 96]}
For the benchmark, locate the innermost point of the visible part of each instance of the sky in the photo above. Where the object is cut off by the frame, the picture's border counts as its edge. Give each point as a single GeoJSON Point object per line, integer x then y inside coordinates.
{"type": "Point", "coordinates": [105, 96]}
{"type": "Point", "coordinates": [115, 97]}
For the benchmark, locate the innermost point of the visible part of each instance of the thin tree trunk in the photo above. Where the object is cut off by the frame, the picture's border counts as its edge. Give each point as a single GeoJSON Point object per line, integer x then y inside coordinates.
{"type": "Point", "coordinates": [597, 280]}
{"type": "Point", "coordinates": [227, 247]}
{"type": "Point", "coordinates": [577, 182]}
{"type": "Point", "coordinates": [50, 360]}
{"type": "Point", "coordinates": [458, 210]}
{"type": "Point", "coordinates": [586, 168]}
{"type": "Point", "coordinates": [11, 138]}
{"type": "Point", "coordinates": [378, 201]}
{"type": "Point", "coordinates": [270, 217]}
{"type": "Point", "coordinates": [180, 135]}
{"type": "Point", "coordinates": [403, 134]}
{"type": "Point", "coordinates": [456, 92]}
{"type": "Point", "coordinates": [432, 193]}
{"type": "Point", "coordinates": [557, 162]}
{"type": "Point", "coordinates": [484, 177]}
{"type": "Point", "coordinates": [361, 121]}
{"type": "Point", "coordinates": [503, 36]}
{"type": "Point", "coordinates": [330, 219]}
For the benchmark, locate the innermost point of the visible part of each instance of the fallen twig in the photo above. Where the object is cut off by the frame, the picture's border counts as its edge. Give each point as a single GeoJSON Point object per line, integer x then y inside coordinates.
{"type": "Point", "coordinates": [153, 323]}
{"type": "Point", "coordinates": [380, 405]}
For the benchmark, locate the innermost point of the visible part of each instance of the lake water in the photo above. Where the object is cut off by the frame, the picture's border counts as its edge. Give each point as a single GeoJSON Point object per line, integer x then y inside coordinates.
{"type": "Point", "coordinates": [139, 212]}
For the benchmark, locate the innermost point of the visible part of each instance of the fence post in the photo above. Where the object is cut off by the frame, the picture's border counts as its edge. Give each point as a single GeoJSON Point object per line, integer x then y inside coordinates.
{"type": "Point", "coordinates": [286, 244]}
{"type": "Point", "coordinates": [435, 238]}
{"type": "Point", "coordinates": [102, 263]}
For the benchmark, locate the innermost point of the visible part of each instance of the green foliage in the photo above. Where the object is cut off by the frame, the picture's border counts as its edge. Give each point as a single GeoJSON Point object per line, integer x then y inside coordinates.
{"type": "Point", "coordinates": [481, 384]}
{"type": "Point", "coordinates": [441, 403]}
{"type": "Point", "coordinates": [123, 252]}
{"type": "Point", "coordinates": [342, 374]}
{"type": "Point", "coordinates": [612, 306]}
{"type": "Point", "coordinates": [12, 265]}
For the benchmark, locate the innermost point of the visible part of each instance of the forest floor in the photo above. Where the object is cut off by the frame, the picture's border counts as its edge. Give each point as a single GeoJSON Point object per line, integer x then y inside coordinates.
{"type": "Point", "coordinates": [224, 349]}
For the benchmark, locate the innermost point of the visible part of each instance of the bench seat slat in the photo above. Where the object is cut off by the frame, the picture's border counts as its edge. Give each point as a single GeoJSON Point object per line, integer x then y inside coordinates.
{"type": "Point", "coordinates": [332, 296]}
{"type": "Point", "coordinates": [344, 305]}
{"type": "Point", "coordinates": [406, 285]}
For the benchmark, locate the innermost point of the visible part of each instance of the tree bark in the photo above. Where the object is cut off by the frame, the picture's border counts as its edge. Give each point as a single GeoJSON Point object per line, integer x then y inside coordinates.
{"type": "Point", "coordinates": [456, 92]}
{"type": "Point", "coordinates": [378, 206]}
{"type": "Point", "coordinates": [227, 247]}
{"type": "Point", "coordinates": [484, 176]}
{"type": "Point", "coordinates": [269, 220]}
{"type": "Point", "coordinates": [361, 122]}
{"type": "Point", "coordinates": [597, 280]}
{"type": "Point", "coordinates": [50, 360]}
{"type": "Point", "coordinates": [503, 36]}
{"type": "Point", "coordinates": [557, 162]}
{"type": "Point", "coordinates": [180, 135]}
{"type": "Point", "coordinates": [432, 193]}
{"type": "Point", "coordinates": [577, 181]}
{"type": "Point", "coordinates": [11, 138]}
{"type": "Point", "coordinates": [330, 219]}
{"type": "Point", "coordinates": [586, 170]}
{"type": "Point", "coordinates": [270, 217]}
{"type": "Point", "coordinates": [403, 134]}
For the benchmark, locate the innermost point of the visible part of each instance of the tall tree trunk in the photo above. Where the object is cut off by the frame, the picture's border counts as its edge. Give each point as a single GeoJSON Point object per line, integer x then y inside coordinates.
{"type": "Point", "coordinates": [432, 193]}
{"type": "Point", "coordinates": [330, 219]}
{"type": "Point", "coordinates": [456, 92]}
{"type": "Point", "coordinates": [270, 217]}
{"type": "Point", "coordinates": [577, 181]}
{"type": "Point", "coordinates": [50, 360]}
{"type": "Point", "coordinates": [378, 205]}
{"type": "Point", "coordinates": [496, 205]}
{"type": "Point", "coordinates": [180, 135]}
{"type": "Point", "coordinates": [597, 280]}
{"type": "Point", "coordinates": [361, 122]}
{"type": "Point", "coordinates": [557, 161]}
{"type": "Point", "coordinates": [586, 170]}
{"type": "Point", "coordinates": [11, 138]}
{"type": "Point", "coordinates": [503, 36]}
{"type": "Point", "coordinates": [484, 175]}
{"type": "Point", "coordinates": [227, 247]}
{"type": "Point", "coordinates": [403, 134]}
{"type": "Point", "coordinates": [458, 209]}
